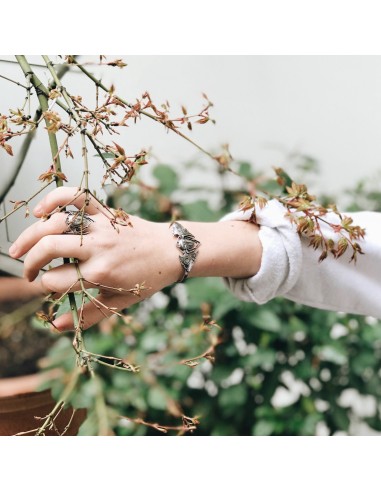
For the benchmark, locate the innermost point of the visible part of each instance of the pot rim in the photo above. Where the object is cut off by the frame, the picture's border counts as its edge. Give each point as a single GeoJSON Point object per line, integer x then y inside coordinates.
{"type": "Point", "coordinates": [24, 401]}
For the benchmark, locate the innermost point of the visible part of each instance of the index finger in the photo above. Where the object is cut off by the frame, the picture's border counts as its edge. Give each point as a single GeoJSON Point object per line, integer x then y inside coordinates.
{"type": "Point", "coordinates": [64, 196]}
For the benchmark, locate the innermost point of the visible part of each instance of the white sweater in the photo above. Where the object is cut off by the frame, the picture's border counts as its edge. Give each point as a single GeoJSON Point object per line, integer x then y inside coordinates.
{"type": "Point", "coordinates": [289, 268]}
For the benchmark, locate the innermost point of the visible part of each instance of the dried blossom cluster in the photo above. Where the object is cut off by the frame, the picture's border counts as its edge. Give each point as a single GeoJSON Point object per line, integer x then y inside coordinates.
{"type": "Point", "coordinates": [6, 133]}
{"type": "Point", "coordinates": [105, 118]}
{"type": "Point", "coordinates": [307, 215]}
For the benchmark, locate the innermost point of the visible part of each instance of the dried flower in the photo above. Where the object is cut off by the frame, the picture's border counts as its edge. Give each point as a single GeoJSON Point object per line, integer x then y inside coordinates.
{"type": "Point", "coordinates": [53, 121]}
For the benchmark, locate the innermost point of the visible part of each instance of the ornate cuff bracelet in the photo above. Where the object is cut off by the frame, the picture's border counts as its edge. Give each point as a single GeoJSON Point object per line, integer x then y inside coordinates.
{"type": "Point", "coordinates": [188, 246]}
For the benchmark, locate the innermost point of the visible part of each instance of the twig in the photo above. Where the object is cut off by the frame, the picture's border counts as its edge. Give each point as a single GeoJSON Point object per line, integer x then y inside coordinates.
{"type": "Point", "coordinates": [165, 428]}
{"type": "Point", "coordinates": [13, 81]}
{"type": "Point", "coordinates": [24, 203]}
{"type": "Point", "coordinates": [69, 388]}
{"type": "Point", "coordinates": [98, 83]}
{"type": "Point", "coordinates": [29, 137]}
{"type": "Point", "coordinates": [69, 423]}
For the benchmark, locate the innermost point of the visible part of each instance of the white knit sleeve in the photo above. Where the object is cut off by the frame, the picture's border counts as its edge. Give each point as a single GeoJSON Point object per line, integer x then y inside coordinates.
{"type": "Point", "coordinates": [289, 268]}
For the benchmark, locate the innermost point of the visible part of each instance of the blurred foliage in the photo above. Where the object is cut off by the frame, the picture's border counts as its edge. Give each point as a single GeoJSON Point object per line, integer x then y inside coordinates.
{"type": "Point", "coordinates": [365, 195]}
{"type": "Point", "coordinates": [280, 368]}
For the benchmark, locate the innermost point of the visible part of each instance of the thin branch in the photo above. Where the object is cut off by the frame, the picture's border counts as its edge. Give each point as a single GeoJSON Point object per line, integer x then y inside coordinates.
{"type": "Point", "coordinates": [14, 82]}
{"type": "Point", "coordinates": [69, 423]}
{"type": "Point", "coordinates": [186, 427]}
{"type": "Point", "coordinates": [98, 83]}
{"type": "Point", "coordinates": [25, 203]}
{"type": "Point", "coordinates": [67, 391]}
{"type": "Point", "coordinates": [14, 62]}
{"type": "Point", "coordinates": [112, 366]}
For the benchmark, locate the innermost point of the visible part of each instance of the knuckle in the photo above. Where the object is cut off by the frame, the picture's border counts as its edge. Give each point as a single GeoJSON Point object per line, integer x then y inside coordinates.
{"type": "Point", "coordinates": [47, 244]}
{"type": "Point", "coordinates": [27, 270]}
{"type": "Point", "coordinates": [47, 282]}
{"type": "Point", "coordinates": [28, 267]}
{"type": "Point", "coordinates": [101, 272]}
{"type": "Point", "coordinates": [52, 224]}
{"type": "Point", "coordinates": [57, 218]}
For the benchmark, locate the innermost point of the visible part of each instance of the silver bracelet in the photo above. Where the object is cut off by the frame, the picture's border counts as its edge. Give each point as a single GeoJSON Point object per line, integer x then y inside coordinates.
{"type": "Point", "coordinates": [188, 245]}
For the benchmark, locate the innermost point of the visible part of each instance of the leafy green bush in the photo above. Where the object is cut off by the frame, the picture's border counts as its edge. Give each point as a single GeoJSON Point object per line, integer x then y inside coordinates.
{"type": "Point", "coordinates": [239, 368]}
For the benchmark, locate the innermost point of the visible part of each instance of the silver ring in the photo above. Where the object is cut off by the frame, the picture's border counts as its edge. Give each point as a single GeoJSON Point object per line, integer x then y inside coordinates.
{"type": "Point", "coordinates": [77, 222]}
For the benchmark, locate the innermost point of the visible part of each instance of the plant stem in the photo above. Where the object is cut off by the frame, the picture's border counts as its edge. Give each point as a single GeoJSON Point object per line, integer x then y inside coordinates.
{"type": "Point", "coordinates": [29, 137]}
{"type": "Point", "coordinates": [41, 92]}
{"type": "Point", "coordinates": [112, 366]}
{"type": "Point", "coordinates": [71, 109]}
{"type": "Point", "coordinates": [80, 122]}
{"type": "Point", "coordinates": [78, 343]}
{"type": "Point", "coordinates": [69, 388]}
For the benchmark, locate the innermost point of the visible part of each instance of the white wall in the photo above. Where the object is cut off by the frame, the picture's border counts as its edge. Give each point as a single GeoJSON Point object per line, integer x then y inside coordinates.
{"type": "Point", "coordinates": [325, 106]}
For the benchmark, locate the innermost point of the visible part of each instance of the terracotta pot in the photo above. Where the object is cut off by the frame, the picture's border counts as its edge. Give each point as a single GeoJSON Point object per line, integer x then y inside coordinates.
{"type": "Point", "coordinates": [18, 411]}
{"type": "Point", "coordinates": [19, 400]}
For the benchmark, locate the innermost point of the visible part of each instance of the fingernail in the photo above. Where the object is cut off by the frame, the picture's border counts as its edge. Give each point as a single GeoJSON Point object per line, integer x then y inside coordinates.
{"type": "Point", "coordinates": [37, 210]}
{"type": "Point", "coordinates": [13, 250]}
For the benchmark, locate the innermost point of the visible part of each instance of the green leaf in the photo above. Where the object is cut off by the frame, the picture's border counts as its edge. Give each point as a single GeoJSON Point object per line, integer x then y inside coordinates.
{"type": "Point", "coordinates": [224, 429]}
{"type": "Point", "coordinates": [287, 181]}
{"type": "Point", "coordinates": [234, 396]}
{"type": "Point", "coordinates": [221, 372]}
{"type": "Point", "coordinates": [362, 361]}
{"type": "Point", "coordinates": [371, 333]}
{"type": "Point", "coordinates": [156, 398]}
{"type": "Point", "coordinates": [263, 428]}
{"type": "Point", "coordinates": [330, 353]}
{"type": "Point", "coordinates": [152, 342]}
{"type": "Point", "coordinates": [210, 290]}
{"type": "Point", "coordinates": [245, 170]}
{"type": "Point", "coordinates": [341, 418]}
{"type": "Point", "coordinates": [306, 163]}
{"type": "Point", "coordinates": [85, 397]}
{"type": "Point", "coordinates": [229, 303]}
{"type": "Point", "coordinates": [309, 424]}
{"type": "Point", "coordinates": [65, 305]}
{"type": "Point", "coordinates": [200, 211]}
{"type": "Point", "coordinates": [266, 320]}
{"type": "Point", "coordinates": [263, 357]}
{"type": "Point", "coordinates": [296, 324]}
{"type": "Point", "coordinates": [167, 177]}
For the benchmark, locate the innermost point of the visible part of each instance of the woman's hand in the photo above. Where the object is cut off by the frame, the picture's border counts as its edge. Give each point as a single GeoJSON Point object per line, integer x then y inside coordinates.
{"type": "Point", "coordinates": [119, 258]}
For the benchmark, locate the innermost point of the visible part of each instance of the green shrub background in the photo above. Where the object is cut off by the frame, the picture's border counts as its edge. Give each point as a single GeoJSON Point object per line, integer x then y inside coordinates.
{"type": "Point", "coordinates": [262, 347]}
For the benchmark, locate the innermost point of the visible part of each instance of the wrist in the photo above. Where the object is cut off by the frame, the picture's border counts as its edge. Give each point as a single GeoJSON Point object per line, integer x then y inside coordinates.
{"type": "Point", "coordinates": [227, 249]}
{"type": "Point", "coordinates": [169, 266]}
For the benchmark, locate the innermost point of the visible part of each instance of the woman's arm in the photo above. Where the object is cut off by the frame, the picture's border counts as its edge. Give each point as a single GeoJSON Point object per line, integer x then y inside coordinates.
{"type": "Point", "coordinates": [290, 267]}
{"type": "Point", "coordinates": [145, 252]}
{"type": "Point", "coordinates": [228, 249]}
{"type": "Point", "coordinates": [257, 263]}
